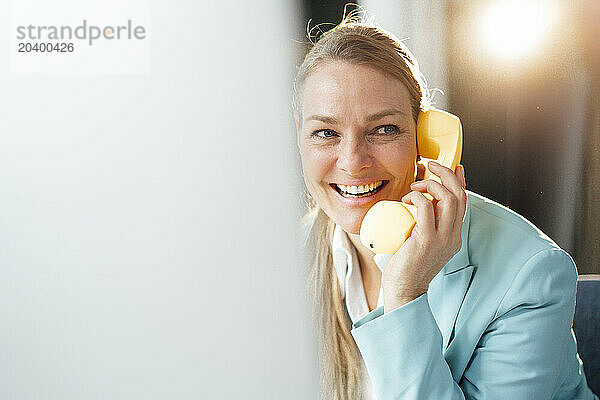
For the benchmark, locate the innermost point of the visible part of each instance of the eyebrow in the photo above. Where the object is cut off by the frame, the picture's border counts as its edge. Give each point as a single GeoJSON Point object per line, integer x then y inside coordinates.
{"type": "Point", "coordinates": [373, 117]}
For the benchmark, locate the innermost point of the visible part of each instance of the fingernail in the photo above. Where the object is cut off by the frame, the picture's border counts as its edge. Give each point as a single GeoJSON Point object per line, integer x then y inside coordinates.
{"type": "Point", "coordinates": [434, 163]}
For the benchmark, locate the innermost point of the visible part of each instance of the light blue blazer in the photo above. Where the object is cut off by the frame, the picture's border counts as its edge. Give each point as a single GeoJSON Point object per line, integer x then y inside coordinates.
{"type": "Point", "coordinates": [495, 323]}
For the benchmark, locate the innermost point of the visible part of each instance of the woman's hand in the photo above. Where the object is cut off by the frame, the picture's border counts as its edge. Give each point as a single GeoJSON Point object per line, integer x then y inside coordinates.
{"type": "Point", "coordinates": [434, 240]}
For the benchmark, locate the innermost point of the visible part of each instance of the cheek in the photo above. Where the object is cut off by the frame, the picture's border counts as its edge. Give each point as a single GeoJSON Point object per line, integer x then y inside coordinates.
{"type": "Point", "coordinates": [317, 164]}
{"type": "Point", "coordinates": [399, 158]}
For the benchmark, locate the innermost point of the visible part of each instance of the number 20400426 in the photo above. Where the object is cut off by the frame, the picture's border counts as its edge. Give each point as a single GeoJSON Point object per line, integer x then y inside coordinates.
{"type": "Point", "coordinates": [46, 47]}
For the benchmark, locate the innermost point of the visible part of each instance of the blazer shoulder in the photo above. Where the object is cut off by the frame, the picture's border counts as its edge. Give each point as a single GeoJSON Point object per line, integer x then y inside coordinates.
{"type": "Point", "coordinates": [502, 243]}
{"type": "Point", "coordinates": [515, 263]}
{"type": "Point", "coordinates": [491, 218]}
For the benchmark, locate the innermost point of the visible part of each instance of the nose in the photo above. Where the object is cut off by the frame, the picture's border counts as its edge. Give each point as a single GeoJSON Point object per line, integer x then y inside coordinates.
{"type": "Point", "coordinates": [354, 156]}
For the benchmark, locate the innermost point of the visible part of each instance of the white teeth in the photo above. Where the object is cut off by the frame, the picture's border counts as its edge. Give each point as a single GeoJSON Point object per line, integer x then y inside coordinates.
{"type": "Point", "coordinates": [360, 189]}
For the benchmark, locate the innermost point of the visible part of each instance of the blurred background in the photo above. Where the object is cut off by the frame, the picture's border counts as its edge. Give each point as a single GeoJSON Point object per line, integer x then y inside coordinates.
{"type": "Point", "coordinates": [147, 246]}
{"type": "Point", "coordinates": [524, 78]}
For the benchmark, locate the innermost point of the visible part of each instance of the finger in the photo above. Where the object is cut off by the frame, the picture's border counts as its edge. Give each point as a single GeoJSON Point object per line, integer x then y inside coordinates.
{"type": "Point", "coordinates": [451, 181]}
{"type": "Point", "coordinates": [445, 209]}
{"type": "Point", "coordinates": [425, 212]}
{"type": "Point", "coordinates": [462, 203]}
{"type": "Point", "coordinates": [448, 178]}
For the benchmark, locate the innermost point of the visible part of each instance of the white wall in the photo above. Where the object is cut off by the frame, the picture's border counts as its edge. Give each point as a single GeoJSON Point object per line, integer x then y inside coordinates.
{"type": "Point", "coordinates": [147, 219]}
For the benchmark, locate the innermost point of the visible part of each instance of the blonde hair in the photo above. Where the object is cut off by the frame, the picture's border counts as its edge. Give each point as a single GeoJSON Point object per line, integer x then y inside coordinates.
{"type": "Point", "coordinates": [360, 42]}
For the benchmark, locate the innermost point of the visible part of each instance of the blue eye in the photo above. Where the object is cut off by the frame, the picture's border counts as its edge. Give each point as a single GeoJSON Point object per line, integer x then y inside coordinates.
{"type": "Point", "coordinates": [387, 129]}
{"type": "Point", "coordinates": [326, 133]}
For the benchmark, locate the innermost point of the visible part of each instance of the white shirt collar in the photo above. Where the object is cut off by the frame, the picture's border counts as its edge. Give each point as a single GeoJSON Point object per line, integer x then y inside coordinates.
{"type": "Point", "coordinates": [345, 261]}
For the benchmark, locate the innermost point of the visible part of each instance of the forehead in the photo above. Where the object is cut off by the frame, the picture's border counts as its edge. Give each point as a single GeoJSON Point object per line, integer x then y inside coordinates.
{"type": "Point", "coordinates": [346, 90]}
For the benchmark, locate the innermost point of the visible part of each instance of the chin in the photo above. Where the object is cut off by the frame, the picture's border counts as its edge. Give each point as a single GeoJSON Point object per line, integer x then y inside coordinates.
{"type": "Point", "coordinates": [355, 229]}
{"type": "Point", "coordinates": [348, 220]}
{"type": "Point", "coordinates": [351, 226]}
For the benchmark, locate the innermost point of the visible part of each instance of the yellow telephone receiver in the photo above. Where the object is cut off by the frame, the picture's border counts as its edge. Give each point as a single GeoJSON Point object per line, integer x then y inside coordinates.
{"type": "Point", "coordinates": [388, 224]}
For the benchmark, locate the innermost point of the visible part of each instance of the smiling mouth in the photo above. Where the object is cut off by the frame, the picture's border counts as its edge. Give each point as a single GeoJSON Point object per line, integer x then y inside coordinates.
{"type": "Point", "coordinates": [359, 191]}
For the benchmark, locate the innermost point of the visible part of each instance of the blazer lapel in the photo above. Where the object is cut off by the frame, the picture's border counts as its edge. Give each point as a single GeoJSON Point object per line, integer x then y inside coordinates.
{"type": "Point", "coordinates": [447, 290]}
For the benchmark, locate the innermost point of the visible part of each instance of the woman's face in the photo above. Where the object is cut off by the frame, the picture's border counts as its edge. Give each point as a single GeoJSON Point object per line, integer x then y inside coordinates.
{"type": "Point", "coordinates": [357, 133]}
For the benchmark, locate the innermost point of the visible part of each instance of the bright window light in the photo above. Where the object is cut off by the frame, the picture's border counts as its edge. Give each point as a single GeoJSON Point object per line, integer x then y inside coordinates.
{"type": "Point", "coordinates": [514, 28]}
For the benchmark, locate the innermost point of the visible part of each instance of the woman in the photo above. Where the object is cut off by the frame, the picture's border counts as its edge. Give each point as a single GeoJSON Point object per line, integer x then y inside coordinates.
{"type": "Point", "coordinates": [477, 303]}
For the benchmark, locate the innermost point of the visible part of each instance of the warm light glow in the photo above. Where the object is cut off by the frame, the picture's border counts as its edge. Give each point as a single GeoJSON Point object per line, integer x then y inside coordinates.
{"type": "Point", "coordinates": [513, 28]}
